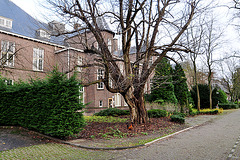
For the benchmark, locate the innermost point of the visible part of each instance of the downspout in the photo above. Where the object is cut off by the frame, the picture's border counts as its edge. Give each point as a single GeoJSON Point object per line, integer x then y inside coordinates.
{"type": "Point", "coordinates": [68, 61]}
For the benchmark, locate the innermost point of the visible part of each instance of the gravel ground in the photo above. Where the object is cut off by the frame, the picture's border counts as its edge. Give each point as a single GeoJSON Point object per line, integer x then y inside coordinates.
{"type": "Point", "coordinates": [213, 141]}
{"type": "Point", "coordinates": [12, 137]}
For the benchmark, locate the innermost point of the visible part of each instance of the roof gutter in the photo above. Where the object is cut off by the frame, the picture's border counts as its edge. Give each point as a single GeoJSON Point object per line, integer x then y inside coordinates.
{"type": "Point", "coordinates": [31, 39]}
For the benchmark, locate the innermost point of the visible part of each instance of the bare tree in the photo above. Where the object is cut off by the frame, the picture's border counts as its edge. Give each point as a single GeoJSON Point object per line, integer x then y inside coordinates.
{"type": "Point", "coordinates": [210, 43]}
{"type": "Point", "coordinates": [228, 68]}
{"type": "Point", "coordinates": [140, 24]}
{"type": "Point", "coordinates": [194, 40]}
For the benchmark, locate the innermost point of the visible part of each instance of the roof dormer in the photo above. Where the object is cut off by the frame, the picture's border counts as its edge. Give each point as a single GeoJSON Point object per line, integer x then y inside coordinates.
{"type": "Point", "coordinates": [5, 22]}
{"type": "Point", "coordinates": [41, 33]}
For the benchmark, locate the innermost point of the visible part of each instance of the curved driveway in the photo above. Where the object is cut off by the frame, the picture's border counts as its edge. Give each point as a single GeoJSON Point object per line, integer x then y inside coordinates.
{"type": "Point", "coordinates": [216, 140]}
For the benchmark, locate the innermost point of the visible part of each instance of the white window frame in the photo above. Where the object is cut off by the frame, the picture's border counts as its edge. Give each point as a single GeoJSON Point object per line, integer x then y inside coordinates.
{"type": "Point", "coordinates": [100, 75]}
{"type": "Point", "coordinates": [38, 59]}
{"type": "Point", "coordinates": [101, 103]}
{"type": "Point", "coordinates": [43, 34]}
{"type": "Point", "coordinates": [81, 94]}
{"type": "Point", "coordinates": [109, 45]}
{"type": "Point", "coordinates": [79, 63]}
{"type": "Point", "coordinates": [117, 100]}
{"type": "Point", "coordinates": [9, 82]}
{"type": "Point", "coordinates": [7, 48]}
{"type": "Point", "coordinates": [5, 22]}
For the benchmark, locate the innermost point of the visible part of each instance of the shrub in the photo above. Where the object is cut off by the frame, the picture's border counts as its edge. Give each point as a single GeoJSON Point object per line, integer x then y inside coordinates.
{"type": "Point", "coordinates": [228, 106]}
{"type": "Point", "coordinates": [217, 96]}
{"type": "Point", "coordinates": [183, 115]}
{"type": "Point", "coordinates": [209, 111]}
{"type": "Point", "coordinates": [177, 118]}
{"type": "Point", "coordinates": [112, 112]}
{"type": "Point", "coordinates": [157, 113]}
{"type": "Point", "coordinates": [49, 106]}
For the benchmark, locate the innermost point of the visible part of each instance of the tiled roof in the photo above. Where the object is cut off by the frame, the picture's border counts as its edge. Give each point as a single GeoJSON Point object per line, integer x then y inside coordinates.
{"type": "Point", "coordinates": [24, 24]}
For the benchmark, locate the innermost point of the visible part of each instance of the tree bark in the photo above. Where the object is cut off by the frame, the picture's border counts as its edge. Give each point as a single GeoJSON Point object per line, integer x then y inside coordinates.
{"type": "Point", "coordinates": [137, 107]}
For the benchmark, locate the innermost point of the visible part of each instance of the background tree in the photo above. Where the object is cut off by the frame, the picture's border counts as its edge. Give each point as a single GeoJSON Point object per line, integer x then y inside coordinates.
{"type": "Point", "coordinates": [143, 24]}
{"type": "Point", "coordinates": [218, 95]}
{"type": "Point", "coordinates": [194, 38]}
{"type": "Point", "coordinates": [228, 66]}
{"type": "Point", "coordinates": [163, 88]}
{"type": "Point", "coordinates": [211, 41]}
{"type": "Point", "coordinates": [180, 87]}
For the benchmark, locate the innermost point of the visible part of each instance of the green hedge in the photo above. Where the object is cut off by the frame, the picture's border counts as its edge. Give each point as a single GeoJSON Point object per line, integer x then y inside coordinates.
{"type": "Point", "coordinates": [47, 106]}
{"type": "Point", "coordinates": [177, 118]}
{"type": "Point", "coordinates": [156, 113]}
{"type": "Point", "coordinates": [228, 106]}
{"type": "Point", "coordinates": [112, 112]}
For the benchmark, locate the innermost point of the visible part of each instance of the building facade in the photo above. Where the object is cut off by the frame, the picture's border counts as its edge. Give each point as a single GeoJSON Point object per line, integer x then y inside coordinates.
{"type": "Point", "coordinates": [29, 51]}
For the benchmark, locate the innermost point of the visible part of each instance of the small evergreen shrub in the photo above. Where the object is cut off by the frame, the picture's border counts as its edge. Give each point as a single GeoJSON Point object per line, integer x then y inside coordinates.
{"type": "Point", "coordinates": [112, 112]}
{"type": "Point", "coordinates": [156, 113]}
{"type": "Point", "coordinates": [228, 106]}
{"type": "Point", "coordinates": [183, 115]}
{"type": "Point", "coordinates": [177, 118]}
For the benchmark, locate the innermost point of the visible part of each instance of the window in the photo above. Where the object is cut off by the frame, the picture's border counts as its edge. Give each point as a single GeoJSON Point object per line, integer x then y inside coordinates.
{"type": "Point", "coordinates": [110, 45]}
{"type": "Point", "coordinates": [38, 59]}
{"type": "Point", "coordinates": [79, 63]}
{"type": "Point", "coordinates": [9, 82]}
{"type": "Point", "coordinates": [100, 103]}
{"type": "Point", "coordinates": [117, 99]}
{"type": "Point", "coordinates": [100, 73]}
{"type": "Point", "coordinates": [43, 34]}
{"type": "Point", "coordinates": [7, 53]}
{"type": "Point", "coordinates": [5, 22]}
{"type": "Point", "coordinates": [81, 94]}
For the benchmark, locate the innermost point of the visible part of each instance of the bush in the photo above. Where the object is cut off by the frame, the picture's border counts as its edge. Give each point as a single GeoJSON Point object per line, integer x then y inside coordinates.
{"type": "Point", "coordinates": [217, 96]}
{"type": "Point", "coordinates": [228, 106]}
{"type": "Point", "coordinates": [177, 118]}
{"type": "Point", "coordinates": [48, 106]}
{"type": "Point", "coordinates": [112, 112]}
{"type": "Point", "coordinates": [183, 115]}
{"type": "Point", "coordinates": [157, 113]}
{"type": "Point", "coordinates": [209, 111]}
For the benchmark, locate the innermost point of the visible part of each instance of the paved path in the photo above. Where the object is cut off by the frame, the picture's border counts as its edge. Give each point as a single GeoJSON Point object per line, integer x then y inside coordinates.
{"type": "Point", "coordinates": [216, 140]}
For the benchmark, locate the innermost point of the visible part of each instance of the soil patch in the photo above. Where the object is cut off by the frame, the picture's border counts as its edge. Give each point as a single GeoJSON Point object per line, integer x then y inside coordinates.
{"type": "Point", "coordinates": [96, 130]}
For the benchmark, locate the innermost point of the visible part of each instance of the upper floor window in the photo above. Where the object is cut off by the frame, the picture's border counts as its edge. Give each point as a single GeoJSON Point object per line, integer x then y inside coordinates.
{"type": "Point", "coordinates": [7, 53]}
{"type": "Point", "coordinates": [79, 63]}
{"type": "Point", "coordinates": [110, 45]}
{"type": "Point", "coordinates": [43, 34]}
{"type": "Point", "coordinates": [38, 59]}
{"type": "Point", "coordinates": [5, 22]}
{"type": "Point", "coordinates": [100, 73]}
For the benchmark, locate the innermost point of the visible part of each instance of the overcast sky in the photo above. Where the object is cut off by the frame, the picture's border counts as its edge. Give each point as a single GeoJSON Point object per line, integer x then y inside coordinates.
{"type": "Point", "coordinates": [35, 9]}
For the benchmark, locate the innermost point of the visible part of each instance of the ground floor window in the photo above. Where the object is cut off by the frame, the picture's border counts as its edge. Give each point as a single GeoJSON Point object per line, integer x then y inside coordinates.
{"type": "Point", "coordinates": [117, 99]}
{"type": "Point", "coordinates": [100, 103]}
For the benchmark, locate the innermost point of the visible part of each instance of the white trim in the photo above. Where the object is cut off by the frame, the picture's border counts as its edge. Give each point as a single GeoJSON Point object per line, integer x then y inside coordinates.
{"type": "Point", "coordinates": [38, 56]}
{"type": "Point", "coordinates": [32, 39]}
{"type": "Point", "coordinates": [101, 103]}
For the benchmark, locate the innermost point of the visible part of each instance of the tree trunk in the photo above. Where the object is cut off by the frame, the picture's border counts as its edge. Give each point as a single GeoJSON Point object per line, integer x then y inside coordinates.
{"type": "Point", "coordinates": [138, 111]}
{"type": "Point", "coordinates": [198, 98]}
{"type": "Point", "coordinates": [210, 96]}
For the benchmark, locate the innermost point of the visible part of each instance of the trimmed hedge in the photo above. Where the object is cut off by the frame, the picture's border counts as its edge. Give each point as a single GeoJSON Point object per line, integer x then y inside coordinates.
{"type": "Point", "coordinates": [228, 106]}
{"type": "Point", "coordinates": [177, 118]}
{"type": "Point", "coordinates": [112, 112]}
{"type": "Point", "coordinates": [46, 106]}
{"type": "Point", "coordinates": [156, 113]}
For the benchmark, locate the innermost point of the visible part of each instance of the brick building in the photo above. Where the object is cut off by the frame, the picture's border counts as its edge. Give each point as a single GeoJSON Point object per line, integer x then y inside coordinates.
{"type": "Point", "coordinates": [29, 51]}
